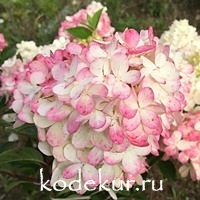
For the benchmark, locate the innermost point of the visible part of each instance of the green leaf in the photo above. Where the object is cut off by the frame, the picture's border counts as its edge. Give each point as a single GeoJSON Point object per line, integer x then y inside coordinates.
{"type": "Point", "coordinates": [21, 154]}
{"type": "Point", "coordinates": [13, 184]}
{"type": "Point", "coordinates": [80, 32]}
{"type": "Point", "coordinates": [168, 169]}
{"type": "Point", "coordinates": [95, 19]}
{"type": "Point", "coordinates": [89, 19]}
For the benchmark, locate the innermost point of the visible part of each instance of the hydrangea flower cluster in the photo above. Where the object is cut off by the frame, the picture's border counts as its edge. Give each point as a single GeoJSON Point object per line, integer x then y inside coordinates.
{"type": "Point", "coordinates": [182, 37]}
{"type": "Point", "coordinates": [184, 43]}
{"type": "Point", "coordinates": [3, 42]}
{"type": "Point", "coordinates": [26, 51]}
{"type": "Point", "coordinates": [108, 101]}
{"type": "Point", "coordinates": [184, 145]}
{"type": "Point", "coordinates": [104, 105]}
{"type": "Point", "coordinates": [104, 28]}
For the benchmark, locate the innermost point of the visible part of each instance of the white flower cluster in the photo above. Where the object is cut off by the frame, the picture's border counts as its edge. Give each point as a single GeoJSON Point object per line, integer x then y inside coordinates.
{"type": "Point", "coordinates": [182, 37]}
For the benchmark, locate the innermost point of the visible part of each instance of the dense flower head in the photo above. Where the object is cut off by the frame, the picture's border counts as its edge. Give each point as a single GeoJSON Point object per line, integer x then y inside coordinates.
{"type": "Point", "coordinates": [104, 105]}
{"type": "Point", "coordinates": [3, 42]}
{"type": "Point", "coordinates": [104, 28]}
{"type": "Point", "coordinates": [184, 43]}
{"type": "Point", "coordinates": [182, 37]}
{"type": "Point", "coordinates": [13, 67]}
{"type": "Point", "coordinates": [184, 145]}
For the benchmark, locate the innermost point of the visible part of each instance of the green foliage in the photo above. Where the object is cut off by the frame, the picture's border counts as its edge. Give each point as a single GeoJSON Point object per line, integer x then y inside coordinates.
{"type": "Point", "coordinates": [21, 154]}
{"type": "Point", "coordinates": [168, 169]}
{"type": "Point", "coordinates": [80, 32]}
{"type": "Point", "coordinates": [94, 20]}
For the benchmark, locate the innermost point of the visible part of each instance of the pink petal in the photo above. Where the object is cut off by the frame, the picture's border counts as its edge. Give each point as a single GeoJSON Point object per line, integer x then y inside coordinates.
{"type": "Point", "coordinates": [45, 106]}
{"type": "Point", "coordinates": [85, 105]}
{"type": "Point", "coordinates": [73, 48]}
{"type": "Point", "coordinates": [97, 52]}
{"type": "Point", "coordinates": [84, 75]}
{"type": "Point", "coordinates": [58, 113]}
{"type": "Point", "coordinates": [25, 87]}
{"type": "Point", "coordinates": [55, 135]}
{"type": "Point", "coordinates": [131, 163]}
{"type": "Point", "coordinates": [37, 78]}
{"type": "Point", "coordinates": [145, 97]}
{"type": "Point", "coordinates": [150, 119]}
{"type": "Point", "coordinates": [98, 90]}
{"type": "Point", "coordinates": [61, 89]}
{"type": "Point", "coordinates": [121, 90]}
{"type": "Point", "coordinates": [58, 72]}
{"type": "Point", "coordinates": [172, 103]}
{"type": "Point", "coordinates": [126, 111]}
{"type": "Point", "coordinates": [41, 133]}
{"type": "Point", "coordinates": [131, 77]}
{"type": "Point", "coordinates": [116, 133]}
{"type": "Point", "coordinates": [142, 49]}
{"type": "Point", "coordinates": [97, 119]}
{"type": "Point", "coordinates": [26, 116]}
{"type": "Point", "coordinates": [153, 131]}
{"type": "Point", "coordinates": [112, 158]}
{"type": "Point", "coordinates": [107, 173]}
{"type": "Point", "coordinates": [96, 67]}
{"type": "Point", "coordinates": [17, 105]}
{"type": "Point", "coordinates": [71, 171]}
{"type": "Point", "coordinates": [95, 156]}
{"type": "Point", "coordinates": [132, 123]}
{"type": "Point", "coordinates": [131, 37]}
{"type": "Point", "coordinates": [76, 91]}
{"type": "Point", "coordinates": [119, 64]}
{"type": "Point", "coordinates": [72, 124]}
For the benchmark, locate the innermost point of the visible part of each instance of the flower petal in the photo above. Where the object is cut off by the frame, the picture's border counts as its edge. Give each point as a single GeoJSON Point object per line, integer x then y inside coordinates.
{"type": "Point", "coordinates": [149, 118]}
{"type": "Point", "coordinates": [85, 105]}
{"type": "Point", "coordinates": [116, 133]}
{"type": "Point", "coordinates": [121, 90]}
{"type": "Point", "coordinates": [55, 135]}
{"type": "Point", "coordinates": [101, 141]}
{"type": "Point", "coordinates": [119, 64]}
{"type": "Point", "coordinates": [70, 153]}
{"type": "Point", "coordinates": [42, 122]}
{"type": "Point", "coordinates": [131, 37]}
{"type": "Point", "coordinates": [131, 77]}
{"type": "Point", "coordinates": [132, 123]}
{"type": "Point", "coordinates": [97, 119]}
{"type": "Point", "coordinates": [72, 125]}
{"type": "Point", "coordinates": [145, 97]}
{"type": "Point", "coordinates": [95, 156]}
{"type": "Point", "coordinates": [81, 138]}
{"type": "Point", "coordinates": [71, 171]}
{"type": "Point", "coordinates": [112, 158]}
{"type": "Point", "coordinates": [89, 172]}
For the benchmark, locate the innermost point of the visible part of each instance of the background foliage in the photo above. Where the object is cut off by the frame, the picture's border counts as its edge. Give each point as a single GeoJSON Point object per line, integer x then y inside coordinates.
{"type": "Point", "coordinates": [38, 20]}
